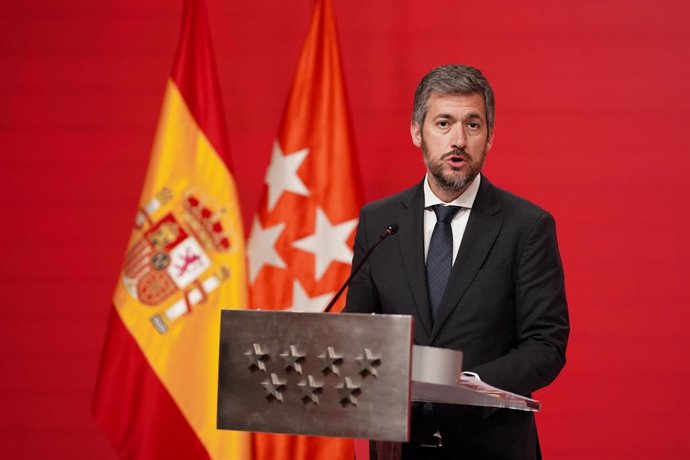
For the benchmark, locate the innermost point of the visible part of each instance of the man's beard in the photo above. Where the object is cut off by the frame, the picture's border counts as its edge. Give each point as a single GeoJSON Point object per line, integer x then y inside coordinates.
{"type": "Point", "coordinates": [452, 182]}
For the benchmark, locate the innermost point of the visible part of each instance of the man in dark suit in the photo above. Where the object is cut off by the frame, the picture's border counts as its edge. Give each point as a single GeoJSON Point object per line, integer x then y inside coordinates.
{"type": "Point", "coordinates": [478, 268]}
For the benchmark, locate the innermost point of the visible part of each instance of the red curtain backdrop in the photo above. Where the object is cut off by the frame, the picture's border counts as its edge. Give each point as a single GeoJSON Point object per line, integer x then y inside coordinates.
{"type": "Point", "coordinates": [592, 108]}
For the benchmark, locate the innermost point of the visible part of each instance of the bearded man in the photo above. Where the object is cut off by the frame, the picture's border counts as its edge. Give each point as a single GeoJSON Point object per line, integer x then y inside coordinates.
{"type": "Point", "coordinates": [477, 267]}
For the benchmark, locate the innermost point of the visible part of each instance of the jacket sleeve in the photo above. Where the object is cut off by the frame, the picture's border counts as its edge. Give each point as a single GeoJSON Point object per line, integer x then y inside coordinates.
{"type": "Point", "coordinates": [541, 317]}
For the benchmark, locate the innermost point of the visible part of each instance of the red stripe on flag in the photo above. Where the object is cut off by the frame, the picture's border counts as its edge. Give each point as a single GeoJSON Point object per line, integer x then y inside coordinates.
{"type": "Point", "coordinates": [290, 447]}
{"type": "Point", "coordinates": [133, 409]}
{"type": "Point", "coordinates": [194, 73]}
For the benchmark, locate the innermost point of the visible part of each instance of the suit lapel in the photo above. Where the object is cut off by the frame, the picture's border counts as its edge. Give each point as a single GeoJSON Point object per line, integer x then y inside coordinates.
{"type": "Point", "coordinates": [411, 241]}
{"type": "Point", "coordinates": [482, 229]}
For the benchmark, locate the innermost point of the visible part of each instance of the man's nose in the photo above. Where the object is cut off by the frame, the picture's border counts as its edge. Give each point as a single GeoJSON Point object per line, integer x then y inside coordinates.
{"type": "Point", "coordinates": [458, 138]}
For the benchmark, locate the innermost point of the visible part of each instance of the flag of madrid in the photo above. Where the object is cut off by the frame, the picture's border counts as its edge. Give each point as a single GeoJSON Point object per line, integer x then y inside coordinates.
{"type": "Point", "coordinates": [299, 251]}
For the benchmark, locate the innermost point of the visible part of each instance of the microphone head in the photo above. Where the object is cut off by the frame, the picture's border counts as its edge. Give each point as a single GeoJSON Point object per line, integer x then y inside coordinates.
{"type": "Point", "coordinates": [392, 229]}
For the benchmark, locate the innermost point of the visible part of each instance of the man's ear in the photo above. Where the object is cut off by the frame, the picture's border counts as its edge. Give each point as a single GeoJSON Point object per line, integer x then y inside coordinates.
{"type": "Point", "coordinates": [490, 141]}
{"type": "Point", "coordinates": [416, 133]}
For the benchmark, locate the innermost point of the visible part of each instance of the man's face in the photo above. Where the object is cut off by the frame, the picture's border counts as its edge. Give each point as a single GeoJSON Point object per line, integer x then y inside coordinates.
{"type": "Point", "coordinates": [454, 139]}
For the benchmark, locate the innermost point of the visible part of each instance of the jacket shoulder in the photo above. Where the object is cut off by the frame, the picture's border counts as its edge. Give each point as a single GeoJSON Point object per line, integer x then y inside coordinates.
{"type": "Point", "coordinates": [393, 202]}
{"type": "Point", "coordinates": [512, 203]}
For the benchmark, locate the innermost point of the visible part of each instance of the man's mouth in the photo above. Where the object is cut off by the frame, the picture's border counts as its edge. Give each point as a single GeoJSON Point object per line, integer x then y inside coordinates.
{"type": "Point", "coordinates": [455, 160]}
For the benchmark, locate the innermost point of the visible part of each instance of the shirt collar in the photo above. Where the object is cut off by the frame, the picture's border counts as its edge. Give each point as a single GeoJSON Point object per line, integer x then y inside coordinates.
{"type": "Point", "coordinates": [466, 200]}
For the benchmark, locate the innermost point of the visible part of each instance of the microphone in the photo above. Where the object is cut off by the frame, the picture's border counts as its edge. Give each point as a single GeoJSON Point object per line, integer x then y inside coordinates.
{"type": "Point", "coordinates": [390, 230]}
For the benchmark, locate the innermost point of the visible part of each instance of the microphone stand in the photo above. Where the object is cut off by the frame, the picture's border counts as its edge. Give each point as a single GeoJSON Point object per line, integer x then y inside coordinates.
{"type": "Point", "coordinates": [390, 230]}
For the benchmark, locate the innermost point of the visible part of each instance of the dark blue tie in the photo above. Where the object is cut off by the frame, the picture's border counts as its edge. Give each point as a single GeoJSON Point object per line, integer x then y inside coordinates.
{"type": "Point", "coordinates": [439, 259]}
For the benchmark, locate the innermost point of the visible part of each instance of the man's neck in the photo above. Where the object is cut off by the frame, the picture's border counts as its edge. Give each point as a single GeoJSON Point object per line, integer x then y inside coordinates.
{"type": "Point", "coordinates": [464, 198]}
{"type": "Point", "coordinates": [443, 194]}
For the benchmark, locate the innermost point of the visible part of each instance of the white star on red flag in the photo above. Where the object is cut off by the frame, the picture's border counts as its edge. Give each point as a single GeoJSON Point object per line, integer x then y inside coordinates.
{"type": "Point", "coordinates": [328, 243]}
{"type": "Point", "coordinates": [301, 301]}
{"type": "Point", "coordinates": [282, 176]}
{"type": "Point", "coordinates": [261, 248]}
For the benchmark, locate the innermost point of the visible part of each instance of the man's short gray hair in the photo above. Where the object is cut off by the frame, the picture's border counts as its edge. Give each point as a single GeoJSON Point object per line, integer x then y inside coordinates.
{"type": "Point", "coordinates": [453, 79]}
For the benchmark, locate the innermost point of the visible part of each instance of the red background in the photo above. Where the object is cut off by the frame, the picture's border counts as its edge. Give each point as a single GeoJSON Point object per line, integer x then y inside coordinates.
{"type": "Point", "coordinates": [593, 105]}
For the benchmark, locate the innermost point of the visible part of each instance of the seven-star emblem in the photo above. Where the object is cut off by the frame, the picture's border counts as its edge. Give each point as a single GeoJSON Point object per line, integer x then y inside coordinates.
{"type": "Point", "coordinates": [310, 387]}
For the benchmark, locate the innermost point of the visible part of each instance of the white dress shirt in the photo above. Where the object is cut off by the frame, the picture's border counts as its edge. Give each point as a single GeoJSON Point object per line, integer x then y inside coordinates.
{"type": "Point", "coordinates": [459, 222]}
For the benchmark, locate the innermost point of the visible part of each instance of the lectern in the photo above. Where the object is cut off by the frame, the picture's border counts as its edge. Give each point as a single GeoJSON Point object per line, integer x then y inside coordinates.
{"type": "Point", "coordinates": [346, 375]}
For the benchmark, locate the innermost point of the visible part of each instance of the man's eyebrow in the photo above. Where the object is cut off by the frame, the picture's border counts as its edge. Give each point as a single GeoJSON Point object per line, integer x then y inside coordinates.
{"type": "Point", "coordinates": [468, 116]}
{"type": "Point", "coordinates": [474, 115]}
{"type": "Point", "coordinates": [444, 115]}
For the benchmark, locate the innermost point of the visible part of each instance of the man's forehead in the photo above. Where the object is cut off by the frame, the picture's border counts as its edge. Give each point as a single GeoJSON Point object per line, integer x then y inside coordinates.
{"type": "Point", "coordinates": [468, 103]}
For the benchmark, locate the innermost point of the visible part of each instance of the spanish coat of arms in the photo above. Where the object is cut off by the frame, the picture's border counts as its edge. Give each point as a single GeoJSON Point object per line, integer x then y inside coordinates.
{"type": "Point", "coordinates": [172, 255]}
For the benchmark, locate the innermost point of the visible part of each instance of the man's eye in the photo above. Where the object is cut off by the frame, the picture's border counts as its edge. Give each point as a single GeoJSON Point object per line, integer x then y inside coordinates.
{"type": "Point", "coordinates": [442, 123]}
{"type": "Point", "coordinates": [473, 125]}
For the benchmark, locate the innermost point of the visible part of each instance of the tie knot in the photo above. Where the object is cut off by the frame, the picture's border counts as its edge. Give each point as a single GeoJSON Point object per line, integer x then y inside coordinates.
{"type": "Point", "coordinates": [445, 213]}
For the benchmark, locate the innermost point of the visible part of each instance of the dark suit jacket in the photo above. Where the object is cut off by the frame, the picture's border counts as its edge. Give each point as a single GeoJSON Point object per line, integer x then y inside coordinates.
{"type": "Point", "coordinates": [504, 307]}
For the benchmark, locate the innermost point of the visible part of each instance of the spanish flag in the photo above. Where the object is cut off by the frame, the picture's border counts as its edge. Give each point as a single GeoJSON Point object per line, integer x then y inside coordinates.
{"type": "Point", "coordinates": [156, 391]}
{"type": "Point", "coordinates": [300, 251]}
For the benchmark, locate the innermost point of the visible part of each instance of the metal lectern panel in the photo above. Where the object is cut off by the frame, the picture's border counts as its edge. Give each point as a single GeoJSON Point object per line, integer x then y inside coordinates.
{"type": "Point", "coordinates": [345, 375]}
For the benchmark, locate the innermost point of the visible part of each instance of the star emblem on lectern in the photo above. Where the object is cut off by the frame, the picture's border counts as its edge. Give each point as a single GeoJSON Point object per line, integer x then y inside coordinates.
{"type": "Point", "coordinates": [274, 387]}
{"type": "Point", "coordinates": [310, 389]}
{"type": "Point", "coordinates": [257, 357]}
{"type": "Point", "coordinates": [292, 359]}
{"type": "Point", "coordinates": [368, 362]}
{"type": "Point", "coordinates": [348, 392]}
{"type": "Point", "coordinates": [331, 359]}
